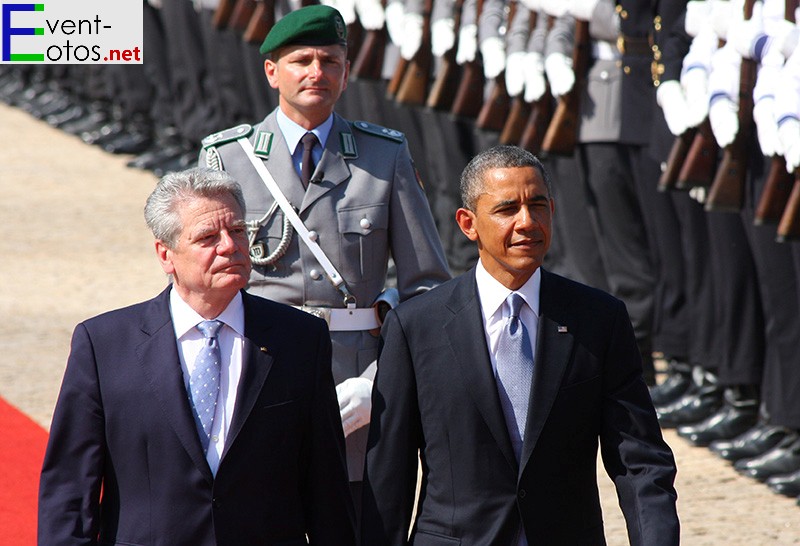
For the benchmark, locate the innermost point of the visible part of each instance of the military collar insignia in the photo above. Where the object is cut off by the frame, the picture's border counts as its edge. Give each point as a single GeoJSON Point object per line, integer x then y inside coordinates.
{"type": "Point", "coordinates": [377, 130]}
{"type": "Point", "coordinates": [228, 135]}
{"type": "Point", "coordinates": [348, 145]}
{"type": "Point", "coordinates": [263, 144]}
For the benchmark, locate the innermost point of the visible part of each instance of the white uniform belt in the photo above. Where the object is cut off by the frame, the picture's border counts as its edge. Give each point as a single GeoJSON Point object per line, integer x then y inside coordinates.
{"type": "Point", "coordinates": [344, 320]}
{"type": "Point", "coordinates": [605, 51]}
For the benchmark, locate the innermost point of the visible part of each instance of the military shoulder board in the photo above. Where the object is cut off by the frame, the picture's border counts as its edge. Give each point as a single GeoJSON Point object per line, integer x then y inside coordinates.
{"type": "Point", "coordinates": [377, 130]}
{"type": "Point", "coordinates": [227, 135]}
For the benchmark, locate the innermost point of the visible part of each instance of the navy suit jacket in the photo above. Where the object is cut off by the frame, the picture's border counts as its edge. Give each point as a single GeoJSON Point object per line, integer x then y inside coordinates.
{"type": "Point", "coordinates": [124, 463]}
{"type": "Point", "coordinates": [435, 392]}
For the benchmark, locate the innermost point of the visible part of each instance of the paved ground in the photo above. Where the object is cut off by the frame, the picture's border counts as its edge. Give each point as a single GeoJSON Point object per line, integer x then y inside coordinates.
{"type": "Point", "coordinates": [75, 245]}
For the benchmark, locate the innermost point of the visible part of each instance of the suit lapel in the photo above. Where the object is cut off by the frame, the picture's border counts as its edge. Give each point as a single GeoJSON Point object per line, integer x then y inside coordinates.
{"type": "Point", "coordinates": [160, 363]}
{"type": "Point", "coordinates": [256, 364]}
{"type": "Point", "coordinates": [468, 341]}
{"type": "Point", "coordinates": [553, 349]}
{"type": "Point", "coordinates": [332, 167]}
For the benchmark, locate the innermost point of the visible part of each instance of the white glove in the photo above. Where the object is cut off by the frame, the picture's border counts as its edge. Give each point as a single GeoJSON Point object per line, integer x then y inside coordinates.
{"type": "Point", "coordinates": [370, 14]}
{"type": "Point", "coordinates": [766, 126]}
{"type": "Point", "coordinates": [515, 73]}
{"type": "Point", "coordinates": [412, 35]}
{"type": "Point", "coordinates": [722, 15]}
{"type": "Point", "coordinates": [346, 7]}
{"type": "Point", "coordinates": [723, 115]}
{"type": "Point", "coordinates": [558, 68]}
{"type": "Point", "coordinates": [355, 403]}
{"type": "Point", "coordinates": [395, 25]}
{"type": "Point", "coordinates": [698, 15]}
{"type": "Point", "coordinates": [443, 36]}
{"type": "Point", "coordinates": [671, 100]}
{"type": "Point", "coordinates": [582, 9]}
{"type": "Point", "coordinates": [532, 5]}
{"type": "Point", "coordinates": [155, 3]}
{"type": "Point", "coordinates": [744, 34]}
{"type": "Point", "coordinates": [695, 89]}
{"type": "Point", "coordinates": [493, 52]}
{"type": "Point", "coordinates": [698, 193]}
{"type": "Point", "coordinates": [789, 135]}
{"type": "Point", "coordinates": [535, 84]}
{"type": "Point", "coordinates": [556, 8]}
{"type": "Point", "coordinates": [467, 44]}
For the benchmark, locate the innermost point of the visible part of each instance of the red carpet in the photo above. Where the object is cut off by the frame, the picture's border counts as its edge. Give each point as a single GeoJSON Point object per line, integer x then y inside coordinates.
{"type": "Point", "coordinates": [20, 462]}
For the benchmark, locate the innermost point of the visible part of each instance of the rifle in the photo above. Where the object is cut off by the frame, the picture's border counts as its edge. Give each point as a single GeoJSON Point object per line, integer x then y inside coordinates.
{"type": "Point", "coordinates": [260, 22]}
{"type": "Point", "coordinates": [701, 160]}
{"type": "Point", "coordinates": [414, 87]}
{"type": "Point", "coordinates": [775, 194]}
{"type": "Point", "coordinates": [538, 122]}
{"type": "Point", "coordinates": [222, 14]}
{"type": "Point", "coordinates": [469, 95]}
{"type": "Point", "coordinates": [677, 157]}
{"type": "Point", "coordinates": [448, 75]}
{"type": "Point", "coordinates": [516, 121]}
{"type": "Point", "coordinates": [369, 60]}
{"type": "Point", "coordinates": [789, 226]}
{"type": "Point", "coordinates": [562, 133]}
{"type": "Point", "coordinates": [779, 182]}
{"type": "Point", "coordinates": [355, 39]}
{"type": "Point", "coordinates": [241, 15]}
{"type": "Point", "coordinates": [727, 190]}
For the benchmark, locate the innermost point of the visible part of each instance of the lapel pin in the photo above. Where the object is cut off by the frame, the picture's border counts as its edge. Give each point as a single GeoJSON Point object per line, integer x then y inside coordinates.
{"type": "Point", "coordinates": [264, 350]}
{"type": "Point", "coordinates": [562, 329]}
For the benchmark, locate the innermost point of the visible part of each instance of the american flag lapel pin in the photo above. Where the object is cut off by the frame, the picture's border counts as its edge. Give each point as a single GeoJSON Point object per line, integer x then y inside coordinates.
{"type": "Point", "coordinates": [562, 329]}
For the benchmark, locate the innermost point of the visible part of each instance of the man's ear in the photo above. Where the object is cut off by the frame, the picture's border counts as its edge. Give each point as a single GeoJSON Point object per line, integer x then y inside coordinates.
{"type": "Point", "coordinates": [465, 219]}
{"type": "Point", "coordinates": [271, 70]}
{"type": "Point", "coordinates": [164, 254]}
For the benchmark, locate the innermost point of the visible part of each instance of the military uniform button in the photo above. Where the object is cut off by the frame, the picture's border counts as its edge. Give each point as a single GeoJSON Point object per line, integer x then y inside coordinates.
{"type": "Point", "coordinates": [604, 75]}
{"type": "Point", "coordinates": [522, 493]}
{"type": "Point", "coordinates": [365, 223]}
{"type": "Point", "coordinates": [315, 274]}
{"type": "Point", "coordinates": [313, 235]}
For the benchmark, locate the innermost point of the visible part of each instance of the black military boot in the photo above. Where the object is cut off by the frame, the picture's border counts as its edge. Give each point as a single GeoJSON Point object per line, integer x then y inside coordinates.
{"type": "Point", "coordinates": [677, 383]}
{"type": "Point", "coordinates": [784, 458]}
{"type": "Point", "coordinates": [699, 403]}
{"type": "Point", "coordinates": [738, 413]}
{"type": "Point", "coordinates": [751, 443]}
{"type": "Point", "coordinates": [785, 484]}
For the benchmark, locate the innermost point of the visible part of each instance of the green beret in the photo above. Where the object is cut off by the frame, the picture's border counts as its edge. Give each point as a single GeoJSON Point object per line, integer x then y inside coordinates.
{"type": "Point", "coordinates": [312, 25]}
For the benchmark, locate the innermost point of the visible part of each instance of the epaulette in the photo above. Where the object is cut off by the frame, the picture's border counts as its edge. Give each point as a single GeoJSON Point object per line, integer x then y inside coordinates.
{"type": "Point", "coordinates": [227, 135]}
{"type": "Point", "coordinates": [377, 130]}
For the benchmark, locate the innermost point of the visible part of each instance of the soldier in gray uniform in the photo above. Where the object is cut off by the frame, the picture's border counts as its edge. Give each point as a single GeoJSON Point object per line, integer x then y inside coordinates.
{"type": "Point", "coordinates": [363, 204]}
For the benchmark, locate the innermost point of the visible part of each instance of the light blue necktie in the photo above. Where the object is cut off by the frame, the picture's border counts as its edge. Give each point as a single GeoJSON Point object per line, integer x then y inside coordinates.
{"type": "Point", "coordinates": [204, 380]}
{"type": "Point", "coordinates": [515, 372]}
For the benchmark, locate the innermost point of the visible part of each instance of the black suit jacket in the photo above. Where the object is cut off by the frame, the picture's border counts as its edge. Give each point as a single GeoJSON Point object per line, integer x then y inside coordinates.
{"type": "Point", "coordinates": [435, 392]}
{"type": "Point", "coordinates": [124, 464]}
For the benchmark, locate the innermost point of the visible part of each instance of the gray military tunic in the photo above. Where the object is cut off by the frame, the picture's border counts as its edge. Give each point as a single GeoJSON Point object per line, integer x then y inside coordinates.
{"type": "Point", "coordinates": [365, 203]}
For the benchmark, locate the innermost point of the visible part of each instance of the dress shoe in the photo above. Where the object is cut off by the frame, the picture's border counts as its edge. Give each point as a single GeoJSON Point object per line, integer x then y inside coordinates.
{"type": "Point", "coordinates": [728, 422]}
{"type": "Point", "coordinates": [677, 383]}
{"type": "Point", "coordinates": [691, 408]}
{"type": "Point", "coordinates": [784, 458]}
{"type": "Point", "coordinates": [786, 484]}
{"type": "Point", "coordinates": [105, 132]}
{"type": "Point", "coordinates": [750, 443]}
{"type": "Point", "coordinates": [179, 163]}
{"type": "Point", "coordinates": [128, 142]}
{"type": "Point", "coordinates": [156, 155]}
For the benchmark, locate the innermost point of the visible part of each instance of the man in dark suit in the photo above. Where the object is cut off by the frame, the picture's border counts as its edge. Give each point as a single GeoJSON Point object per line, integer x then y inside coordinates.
{"type": "Point", "coordinates": [142, 452]}
{"type": "Point", "coordinates": [506, 407]}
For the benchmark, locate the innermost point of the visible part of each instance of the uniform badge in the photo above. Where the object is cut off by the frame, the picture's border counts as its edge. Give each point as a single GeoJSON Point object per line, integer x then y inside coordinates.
{"type": "Point", "coordinates": [257, 251]}
{"type": "Point", "coordinates": [263, 144]}
{"type": "Point", "coordinates": [240, 131]}
{"type": "Point", "coordinates": [348, 144]}
{"type": "Point", "coordinates": [377, 130]}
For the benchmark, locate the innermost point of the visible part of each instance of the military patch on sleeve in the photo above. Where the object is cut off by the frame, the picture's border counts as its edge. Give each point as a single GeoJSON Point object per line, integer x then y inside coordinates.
{"type": "Point", "coordinates": [419, 178]}
{"type": "Point", "coordinates": [377, 130]}
{"type": "Point", "coordinates": [227, 135]}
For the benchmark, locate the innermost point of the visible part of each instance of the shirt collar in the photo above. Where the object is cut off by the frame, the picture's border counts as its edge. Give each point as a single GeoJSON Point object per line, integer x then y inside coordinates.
{"type": "Point", "coordinates": [292, 132]}
{"type": "Point", "coordinates": [184, 318]}
{"type": "Point", "coordinates": [493, 294]}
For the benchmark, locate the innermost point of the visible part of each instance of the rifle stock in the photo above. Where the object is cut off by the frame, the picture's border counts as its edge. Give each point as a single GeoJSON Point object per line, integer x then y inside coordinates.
{"type": "Point", "coordinates": [775, 194]}
{"type": "Point", "coordinates": [789, 226]}
{"type": "Point", "coordinates": [368, 62]}
{"type": "Point", "coordinates": [562, 133]}
{"type": "Point", "coordinates": [677, 157]}
{"type": "Point", "coordinates": [515, 122]}
{"type": "Point", "coordinates": [260, 22]}
{"type": "Point", "coordinates": [492, 115]}
{"type": "Point", "coordinates": [727, 190]}
{"type": "Point", "coordinates": [397, 78]}
{"type": "Point", "coordinates": [241, 15]}
{"type": "Point", "coordinates": [222, 14]}
{"type": "Point", "coordinates": [469, 95]}
{"type": "Point", "coordinates": [538, 122]}
{"type": "Point", "coordinates": [701, 160]}
{"type": "Point", "coordinates": [445, 84]}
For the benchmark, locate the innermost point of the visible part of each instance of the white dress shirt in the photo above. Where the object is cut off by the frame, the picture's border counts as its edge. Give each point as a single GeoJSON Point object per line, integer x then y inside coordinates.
{"type": "Point", "coordinates": [231, 342]}
{"type": "Point", "coordinates": [492, 296]}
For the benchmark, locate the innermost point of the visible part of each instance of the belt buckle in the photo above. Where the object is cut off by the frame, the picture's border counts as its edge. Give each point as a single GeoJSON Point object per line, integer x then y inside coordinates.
{"type": "Point", "coordinates": [321, 312]}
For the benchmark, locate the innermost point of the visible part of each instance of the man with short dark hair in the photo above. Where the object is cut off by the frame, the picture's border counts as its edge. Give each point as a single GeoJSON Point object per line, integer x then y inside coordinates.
{"type": "Point", "coordinates": [205, 416]}
{"type": "Point", "coordinates": [502, 382]}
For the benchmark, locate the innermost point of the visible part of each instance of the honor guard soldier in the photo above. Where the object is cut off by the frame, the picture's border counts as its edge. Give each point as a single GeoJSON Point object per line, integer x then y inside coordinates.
{"type": "Point", "coordinates": [329, 202]}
